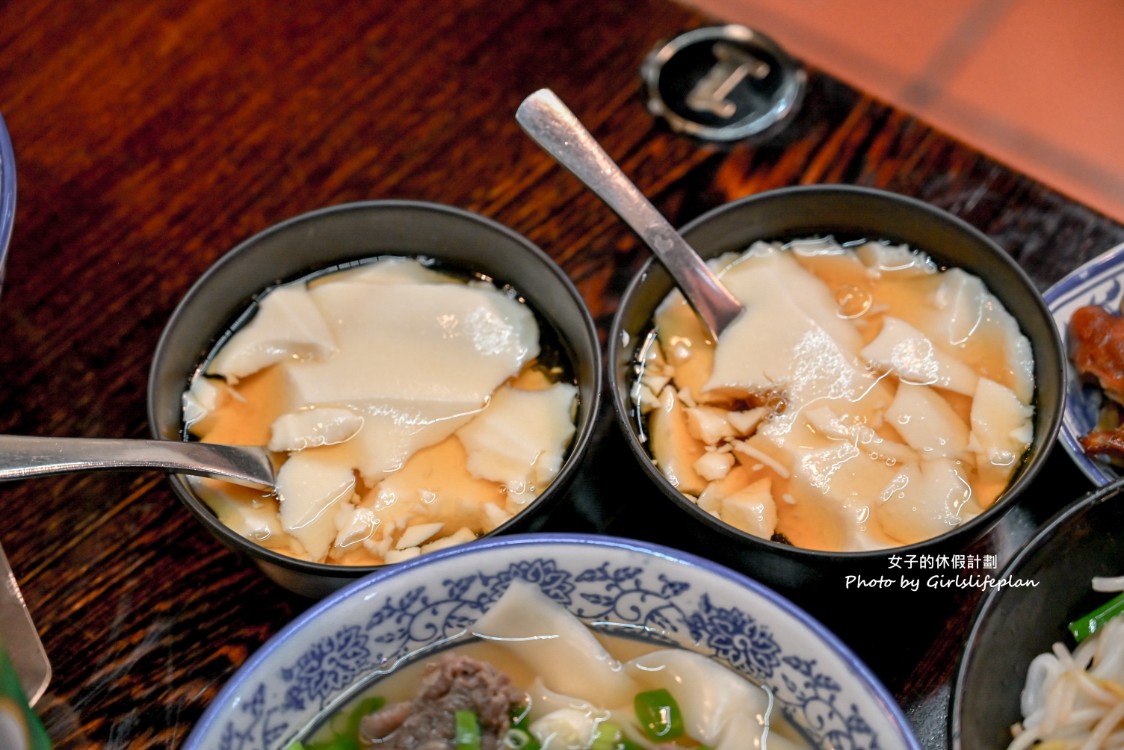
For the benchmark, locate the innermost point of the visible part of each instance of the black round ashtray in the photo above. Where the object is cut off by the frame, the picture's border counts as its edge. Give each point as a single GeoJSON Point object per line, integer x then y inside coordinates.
{"type": "Point", "coordinates": [722, 83]}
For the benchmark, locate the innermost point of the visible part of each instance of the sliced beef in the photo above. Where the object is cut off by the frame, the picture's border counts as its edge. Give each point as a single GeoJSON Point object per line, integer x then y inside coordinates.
{"type": "Point", "coordinates": [452, 683]}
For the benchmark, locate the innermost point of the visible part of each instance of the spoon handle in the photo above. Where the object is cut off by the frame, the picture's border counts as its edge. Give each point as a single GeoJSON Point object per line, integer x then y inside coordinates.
{"type": "Point", "coordinates": [554, 127]}
{"type": "Point", "coordinates": [22, 457]}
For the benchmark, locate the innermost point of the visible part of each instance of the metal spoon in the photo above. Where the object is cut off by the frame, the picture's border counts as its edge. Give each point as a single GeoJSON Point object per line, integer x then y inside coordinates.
{"type": "Point", "coordinates": [554, 127]}
{"type": "Point", "coordinates": [22, 457]}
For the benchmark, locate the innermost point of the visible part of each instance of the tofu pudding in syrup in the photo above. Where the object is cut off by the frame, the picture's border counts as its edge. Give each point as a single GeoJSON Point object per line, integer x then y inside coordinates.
{"type": "Point", "coordinates": [865, 399]}
{"type": "Point", "coordinates": [409, 406]}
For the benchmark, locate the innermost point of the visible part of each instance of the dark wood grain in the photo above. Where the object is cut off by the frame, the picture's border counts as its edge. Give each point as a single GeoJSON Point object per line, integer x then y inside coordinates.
{"type": "Point", "coordinates": [153, 136]}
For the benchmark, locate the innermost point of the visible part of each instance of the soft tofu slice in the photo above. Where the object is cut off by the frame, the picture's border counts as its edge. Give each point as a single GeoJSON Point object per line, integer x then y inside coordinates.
{"type": "Point", "coordinates": [745, 422]}
{"type": "Point", "coordinates": [927, 422]}
{"type": "Point", "coordinates": [789, 340]}
{"type": "Point", "coordinates": [833, 487]}
{"type": "Point", "coordinates": [312, 428]}
{"type": "Point", "coordinates": [557, 646]}
{"type": "Point", "coordinates": [393, 270]}
{"type": "Point", "coordinates": [444, 347]}
{"type": "Point", "coordinates": [673, 447]}
{"type": "Point", "coordinates": [913, 358]}
{"type": "Point", "coordinates": [788, 337]}
{"type": "Point", "coordinates": [495, 516]}
{"type": "Point", "coordinates": [202, 399]}
{"type": "Point", "coordinates": [520, 439]}
{"type": "Point", "coordinates": [379, 545]}
{"type": "Point", "coordinates": [923, 500]}
{"type": "Point", "coordinates": [768, 273]}
{"type": "Point", "coordinates": [685, 343]}
{"type": "Point", "coordinates": [435, 485]}
{"type": "Point", "coordinates": [394, 432]}
{"type": "Point", "coordinates": [415, 362]}
{"type": "Point", "coordinates": [311, 487]}
{"type": "Point", "coordinates": [460, 536]}
{"type": "Point", "coordinates": [760, 451]}
{"type": "Point", "coordinates": [1002, 428]}
{"type": "Point", "coordinates": [418, 534]}
{"type": "Point", "coordinates": [829, 260]}
{"type": "Point", "coordinates": [355, 525]}
{"type": "Point", "coordinates": [708, 694]}
{"type": "Point", "coordinates": [964, 314]}
{"type": "Point", "coordinates": [401, 555]}
{"type": "Point", "coordinates": [246, 511]}
{"type": "Point", "coordinates": [827, 423]}
{"type": "Point", "coordinates": [287, 325]}
{"type": "Point", "coordinates": [709, 424]}
{"type": "Point", "coordinates": [714, 464]}
{"type": "Point", "coordinates": [899, 260]}
{"type": "Point", "coordinates": [751, 509]}
{"type": "Point", "coordinates": [736, 479]}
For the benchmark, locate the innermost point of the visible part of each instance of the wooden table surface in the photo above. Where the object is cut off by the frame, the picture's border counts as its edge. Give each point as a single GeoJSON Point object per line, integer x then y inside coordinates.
{"type": "Point", "coordinates": [151, 136]}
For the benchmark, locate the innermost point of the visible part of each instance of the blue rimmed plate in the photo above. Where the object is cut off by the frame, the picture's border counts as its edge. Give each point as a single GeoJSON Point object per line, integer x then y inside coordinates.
{"type": "Point", "coordinates": [319, 659]}
{"type": "Point", "coordinates": [1098, 282]}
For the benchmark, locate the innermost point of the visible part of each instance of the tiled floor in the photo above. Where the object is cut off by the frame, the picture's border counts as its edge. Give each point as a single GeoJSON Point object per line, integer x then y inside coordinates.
{"type": "Point", "coordinates": [1038, 84]}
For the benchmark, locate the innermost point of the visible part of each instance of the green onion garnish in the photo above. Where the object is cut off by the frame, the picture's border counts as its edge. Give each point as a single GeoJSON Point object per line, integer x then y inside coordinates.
{"type": "Point", "coordinates": [1083, 627]}
{"type": "Point", "coordinates": [659, 715]}
{"type": "Point", "coordinates": [468, 731]}
{"type": "Point", "coordinates": [606, 736]}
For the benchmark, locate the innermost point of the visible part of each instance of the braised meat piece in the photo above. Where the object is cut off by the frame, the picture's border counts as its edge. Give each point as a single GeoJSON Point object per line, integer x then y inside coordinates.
{"type": "Point", "coordinates": [1097, 338]}
{"type": "Point", "coordinates": [1108, 443]}
{"type": "Point", "coordinates": [452, 683]}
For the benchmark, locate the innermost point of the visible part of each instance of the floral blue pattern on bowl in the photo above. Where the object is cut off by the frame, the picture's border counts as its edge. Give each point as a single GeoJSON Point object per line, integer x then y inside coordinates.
{"type": "Point", "coordinates": [1098, 282]}
{"type": "Point", "coordinates": [322, 658]}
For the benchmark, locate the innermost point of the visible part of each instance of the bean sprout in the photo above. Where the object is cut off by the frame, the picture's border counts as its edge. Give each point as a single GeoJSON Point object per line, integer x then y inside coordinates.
{"type": "Point", "coordinates": [1074, 700]}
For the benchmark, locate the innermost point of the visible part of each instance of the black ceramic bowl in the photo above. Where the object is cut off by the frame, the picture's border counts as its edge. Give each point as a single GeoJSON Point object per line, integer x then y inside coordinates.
{"type": "Point", "coordinates": [335, 235]}
{"type": "Point", "coordinates": [1016, 623]}
{"type": "Point", "coordinates": [847, 213]}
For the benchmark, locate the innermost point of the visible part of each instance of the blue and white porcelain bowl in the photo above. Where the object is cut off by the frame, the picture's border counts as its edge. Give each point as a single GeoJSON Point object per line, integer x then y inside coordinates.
{"type": "Point", "coordinates": [1098, 282]}
{"type": "Point", "coordinates": [322, 658]}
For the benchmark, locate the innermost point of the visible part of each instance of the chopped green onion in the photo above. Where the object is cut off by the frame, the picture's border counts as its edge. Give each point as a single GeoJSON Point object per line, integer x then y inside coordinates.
{"type": "Point", "coordinates": [519, 737]}
{"type": "Point", "coordinates": [345, 727]}
{"type": "Point", "coordinates": [606, 736]}
{"type": "Point", "coordinates": [1083, 627]}
{"type": "Point", "coordinates": [659, 715]}
{"type": "Point", "coordinates": [368, 705]}
{"type": "Point", "coordinates": [468, 731]}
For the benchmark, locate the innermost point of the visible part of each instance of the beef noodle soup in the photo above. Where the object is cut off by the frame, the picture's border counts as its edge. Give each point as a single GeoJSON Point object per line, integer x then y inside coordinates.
{"type": "Point", "coordinates": [531, 675]}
